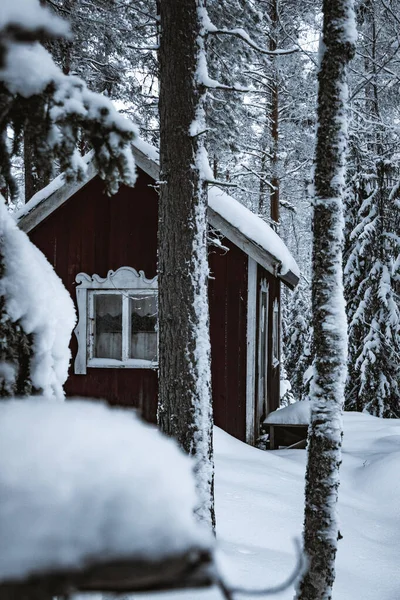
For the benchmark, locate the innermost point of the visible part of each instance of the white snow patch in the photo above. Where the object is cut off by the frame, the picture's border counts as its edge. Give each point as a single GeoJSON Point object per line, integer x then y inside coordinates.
{"type": "Point", "coordinates": [29, 69]}
{"type": "Point", "coordinates": [30, 15]}
{"type": "Point", "coordinates": [80, 483]}
{"type": "Point", "coordinates": [297, 413]}
{"type": "Point", "coordinates": [285, 386]}
{"type": "Point", "coordinates": [260, 509]}
{"type": "Point", "coordinates": [147, 149]}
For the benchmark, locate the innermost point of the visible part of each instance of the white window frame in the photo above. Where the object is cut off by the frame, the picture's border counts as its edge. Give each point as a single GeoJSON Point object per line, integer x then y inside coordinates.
{"type": "Point", "coordinates": [125, 282]}
{"type": "Point", "coordinates": [275, 334]}
{"type": "Point", "coordinates": [263, 339]}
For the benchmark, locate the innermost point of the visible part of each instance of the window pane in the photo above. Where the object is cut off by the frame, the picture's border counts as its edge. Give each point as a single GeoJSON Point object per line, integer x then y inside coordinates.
{"type": "Point", "coordinates": [108, 326]}
{"type": "Point", "coordinates": [144, 327]}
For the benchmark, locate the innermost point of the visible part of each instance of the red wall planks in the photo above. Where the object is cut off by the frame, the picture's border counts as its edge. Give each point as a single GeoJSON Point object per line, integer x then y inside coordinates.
{"type": "Point", "coordinates": [228, 330]}
{"type": "Point", "coordinates": [94, 233]}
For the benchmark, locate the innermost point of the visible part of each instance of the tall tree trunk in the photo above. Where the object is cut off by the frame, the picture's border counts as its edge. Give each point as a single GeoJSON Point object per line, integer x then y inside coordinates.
{"type": "Point", "coordinates": [274, 115]}
{"type": "Point", "coordinates": [185, 410]}
{"type": "Point", "coordinates": [329, 319]}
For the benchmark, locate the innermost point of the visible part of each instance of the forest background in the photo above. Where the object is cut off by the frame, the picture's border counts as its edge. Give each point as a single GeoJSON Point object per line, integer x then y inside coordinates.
{"type": "Point", "coordinates": [261, 127]}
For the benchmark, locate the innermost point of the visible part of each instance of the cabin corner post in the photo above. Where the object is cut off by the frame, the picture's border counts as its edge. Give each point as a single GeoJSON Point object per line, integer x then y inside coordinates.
{"type": "Point", "coordinates": [251, 350]}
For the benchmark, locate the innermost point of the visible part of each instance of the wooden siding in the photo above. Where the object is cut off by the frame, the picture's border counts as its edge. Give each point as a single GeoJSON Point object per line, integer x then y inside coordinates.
{"type": "Point", "coordinates": [228, 327]}
{"type": "Point", "coordinates": [94, 233]}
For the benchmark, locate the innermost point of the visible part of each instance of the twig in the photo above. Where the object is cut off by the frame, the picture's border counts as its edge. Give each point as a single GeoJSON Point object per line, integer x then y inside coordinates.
{"type": "Point", "coordinates": [298, 570]}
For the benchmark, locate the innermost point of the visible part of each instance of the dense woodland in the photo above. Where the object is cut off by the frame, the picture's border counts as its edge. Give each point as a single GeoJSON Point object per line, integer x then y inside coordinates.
{"type": "Point", "coordinates": [302, 131]}
{"type": "Point", "coordinates": [260, 145]}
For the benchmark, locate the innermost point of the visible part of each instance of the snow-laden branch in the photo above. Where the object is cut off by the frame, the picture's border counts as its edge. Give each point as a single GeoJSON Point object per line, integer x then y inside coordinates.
{"type": "Point", "coordinates": [244, 36]}
{"type": "Point", "coordinates": [203, 78]}
{"type": "Point", "coordinates": [63, 106]}
{"type": "Point", "coordinates": [260, 177]}
{"type": "Point", "coordinates": [27, 21]}
{"type": "Point", "coordinates": [210, 29]}
{"type": "Point", "coordinates": [219, 183]}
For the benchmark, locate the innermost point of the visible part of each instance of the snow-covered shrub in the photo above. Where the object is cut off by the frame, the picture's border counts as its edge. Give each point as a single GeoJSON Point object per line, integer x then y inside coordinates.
{"type": "Point", "coordinates": [37, 316]}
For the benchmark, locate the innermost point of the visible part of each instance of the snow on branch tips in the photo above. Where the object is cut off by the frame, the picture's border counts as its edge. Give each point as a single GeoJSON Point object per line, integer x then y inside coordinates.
{"type": "Point", "coordinates": [211, 29]}
{"type": "Point", "coordinates": [37, 316]}
{"type": "Point", "coordinates": [58, 109]}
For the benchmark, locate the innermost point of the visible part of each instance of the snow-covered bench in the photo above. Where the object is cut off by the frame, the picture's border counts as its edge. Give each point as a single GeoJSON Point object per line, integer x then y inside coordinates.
{"type": "Point", "coordinates": [288, 426]}
{"type": "Point", "coordinates": [93, 499]}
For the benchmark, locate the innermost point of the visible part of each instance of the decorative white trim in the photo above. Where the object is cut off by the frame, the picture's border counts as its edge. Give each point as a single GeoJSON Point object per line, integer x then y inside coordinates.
{"type": "Point", "coordinates": [251, 349]}
{"type": "Point", "coordinates": [125, 278]}
{"type": "Point", "coordinates": [262, 399]}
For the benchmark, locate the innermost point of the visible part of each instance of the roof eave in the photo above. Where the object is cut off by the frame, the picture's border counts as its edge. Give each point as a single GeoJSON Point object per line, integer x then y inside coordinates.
{"type": "Point", "coordinates": [264, 258]}
{"type": "Point", "coordinates": [48, 205]}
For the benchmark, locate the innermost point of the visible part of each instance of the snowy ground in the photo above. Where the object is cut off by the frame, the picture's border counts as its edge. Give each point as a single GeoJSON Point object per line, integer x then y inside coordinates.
{"type": "Point", "coordinates": [260, 510]}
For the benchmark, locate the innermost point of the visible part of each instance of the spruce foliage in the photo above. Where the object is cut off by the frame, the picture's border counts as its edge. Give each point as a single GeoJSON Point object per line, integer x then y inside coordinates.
{"type": "Point", "coordinates": [372, 273]}
{"type": "Point", "coordinates": [56, 110]}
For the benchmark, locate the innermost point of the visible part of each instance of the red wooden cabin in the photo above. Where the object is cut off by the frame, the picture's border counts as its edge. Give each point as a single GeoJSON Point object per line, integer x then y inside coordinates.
{"type": "Point", "coordinates": [105, 251]}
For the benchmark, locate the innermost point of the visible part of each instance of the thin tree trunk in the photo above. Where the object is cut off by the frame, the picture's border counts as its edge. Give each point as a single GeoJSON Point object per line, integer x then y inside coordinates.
{"type": "Point", "coordinates": [329, 319]}
{"type": "Point", "coordinates": [274, 116]}
{"type": "Point", "coordinates": [184, 410]}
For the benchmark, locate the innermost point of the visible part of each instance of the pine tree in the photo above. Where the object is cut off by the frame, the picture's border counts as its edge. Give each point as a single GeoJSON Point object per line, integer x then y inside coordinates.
{"type": "Point", "coordinates": [329, 320]}
{"type": "Point", "coordinates": [108, 50]}
{"type": "Point", "coordinates": [372, 221]}
{"type": "Point", "coordinates": [185, 410]}
{"type": "Point", "coordinates": [35, 94]}
{"type": "Point", "coordinates": [372, 273]}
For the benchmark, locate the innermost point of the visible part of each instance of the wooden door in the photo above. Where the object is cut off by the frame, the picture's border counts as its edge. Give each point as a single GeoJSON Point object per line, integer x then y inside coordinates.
{"type": "Point", "coordinates": [262, 363]}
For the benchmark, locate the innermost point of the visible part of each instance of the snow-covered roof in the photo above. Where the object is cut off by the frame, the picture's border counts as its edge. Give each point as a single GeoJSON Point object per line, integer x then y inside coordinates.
{"type": "Point", "coordinates": [236, 222]}
{"type": "Point", "coordinates": [83, 484]}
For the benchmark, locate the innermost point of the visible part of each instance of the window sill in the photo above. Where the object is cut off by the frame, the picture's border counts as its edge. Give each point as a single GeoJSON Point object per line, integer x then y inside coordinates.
{"type": "Point", "coordinates": [110, 363]}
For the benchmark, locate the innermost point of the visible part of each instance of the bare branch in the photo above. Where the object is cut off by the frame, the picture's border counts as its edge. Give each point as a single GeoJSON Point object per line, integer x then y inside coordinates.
{"type": "Point", "coordinates": [298, 570]}
{"type": "Point", "coordinates": [262, 179]}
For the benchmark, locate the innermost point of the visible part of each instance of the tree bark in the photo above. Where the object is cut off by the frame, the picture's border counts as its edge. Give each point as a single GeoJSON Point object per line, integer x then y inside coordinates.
{"type": "Point", "coordinates": [274, 117]}
{"type": "Point", "coordinates": [329, 319]}
{"type": "Point", "coordinates": [185, 410]}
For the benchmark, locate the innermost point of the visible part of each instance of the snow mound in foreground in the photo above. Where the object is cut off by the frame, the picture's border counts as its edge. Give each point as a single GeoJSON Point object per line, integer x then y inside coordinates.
{"type": "Point", "coordinates": [81, 483]}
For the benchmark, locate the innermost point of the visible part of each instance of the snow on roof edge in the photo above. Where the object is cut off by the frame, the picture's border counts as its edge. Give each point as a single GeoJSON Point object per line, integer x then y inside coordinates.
{"type": "Point", "coordinates": [239, 216]}
{"type": "Point", "coordinates": [253, 227]}
{"type": "Point", "coordinates": [45, 193]}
